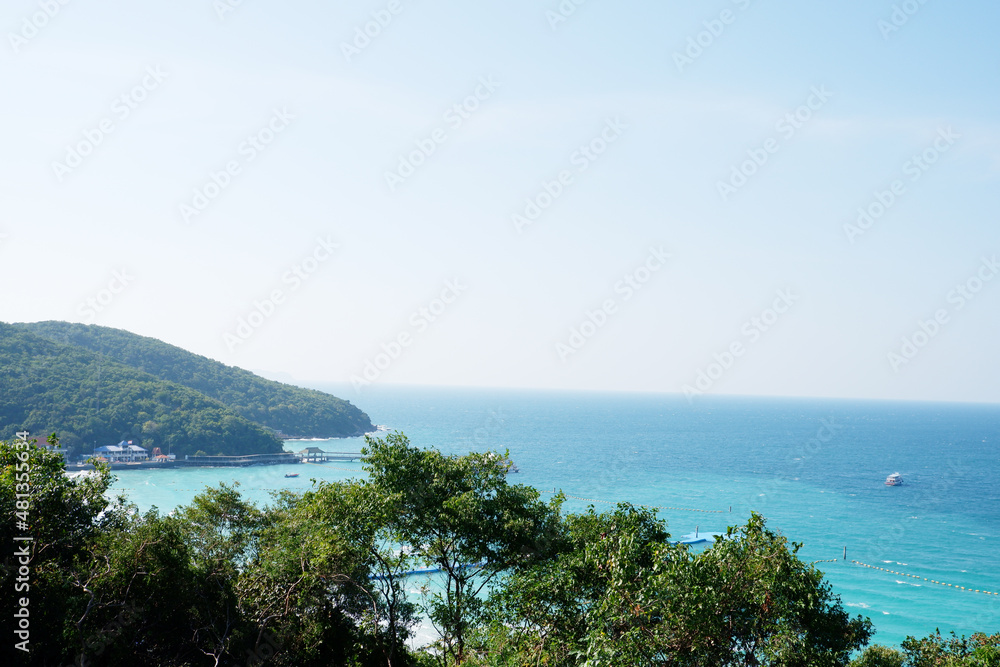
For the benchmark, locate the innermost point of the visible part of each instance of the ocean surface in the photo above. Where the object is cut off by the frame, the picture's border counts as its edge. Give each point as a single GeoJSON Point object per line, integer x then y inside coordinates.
{"type": "Point", "coordinates": [815, 468]}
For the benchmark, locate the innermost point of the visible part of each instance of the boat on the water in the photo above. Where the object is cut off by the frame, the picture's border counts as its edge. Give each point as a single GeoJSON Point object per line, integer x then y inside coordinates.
{"type": "Point", "coordinates": [291, 474]}
{"type": "Point", "coordinates": [894, 480]}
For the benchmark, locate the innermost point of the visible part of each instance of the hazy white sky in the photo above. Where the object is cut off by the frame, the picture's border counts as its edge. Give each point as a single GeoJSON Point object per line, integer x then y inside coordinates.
{"type": "Point", "coordinates": [590, 194]}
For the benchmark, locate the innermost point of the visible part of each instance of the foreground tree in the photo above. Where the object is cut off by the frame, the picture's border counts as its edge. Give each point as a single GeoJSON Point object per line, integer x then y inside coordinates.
{"type": "Point", "coordinates": [979, 650]}
{"type": "Point", "coordinates": [458, 514]}
{"type": "Point", "coordinates": [220, 582]}
{"type": "Point", "coordinates": [879, 656]}
{"type": "Point", "coordinates": [62, 517]}
{"type": "Point", "coordinates": [221, 532]}
{"type": "Point", "coordinates": [624, 596]}
{"type": "Point", "coordinates": [137, 596]}
{"type": "Point", "coordinates": [567, 610]}
{"type": "Point", "coordinates": [749, 600]}
{"type": "Point", "coordinates": [326, 581]}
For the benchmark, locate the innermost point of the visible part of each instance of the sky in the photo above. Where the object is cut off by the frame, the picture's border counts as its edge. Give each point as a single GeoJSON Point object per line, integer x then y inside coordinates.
{"type": "Point", "coordinates": [750, 197]}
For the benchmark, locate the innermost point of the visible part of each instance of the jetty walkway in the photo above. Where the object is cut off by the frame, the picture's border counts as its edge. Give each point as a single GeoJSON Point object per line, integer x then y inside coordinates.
{"type": "Point", "coordinates": [317, 455]}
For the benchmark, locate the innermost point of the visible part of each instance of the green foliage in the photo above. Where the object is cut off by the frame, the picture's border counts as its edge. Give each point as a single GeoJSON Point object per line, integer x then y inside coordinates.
{"type": "Point", "coordinates": [327, 580]}
{"type": "Point", "coordinates": [458, 513]}
{"type": "Point", "coordinates": [623, 596]}
{"type": "Point", "coordinates": [219, 582]}
{"type": "Point", "coordinates": [139, 573]}
{"type": "Point", "coordinates": [292, 411]}
{"type": "Point", "coordinates": [754, 602]}
{"type": "Point", "coordinates": [63, 517]}
{"type": "Point", "coordinates": [97, 386]}
{"type": "Point", "coordinates": [319, 579]}
{"type": "Point", "coordinates": [980, 650]}
{"type": "Point", "coordinates": [47, 386]}
{"type": "Point", "coordinates": [588, 593]}
{"type": "Point", "coordinates": [879, 656]}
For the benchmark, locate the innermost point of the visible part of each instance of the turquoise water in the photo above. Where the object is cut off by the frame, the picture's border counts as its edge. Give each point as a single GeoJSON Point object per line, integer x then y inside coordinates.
{"type": "Point", "coordinates": [814, 468]}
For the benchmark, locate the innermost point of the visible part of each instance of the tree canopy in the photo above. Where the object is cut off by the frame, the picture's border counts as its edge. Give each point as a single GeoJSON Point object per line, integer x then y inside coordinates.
{"type": "Point", "coordinates": [979, 650]}
{"type": "Point", "coordinates": [119, 386]}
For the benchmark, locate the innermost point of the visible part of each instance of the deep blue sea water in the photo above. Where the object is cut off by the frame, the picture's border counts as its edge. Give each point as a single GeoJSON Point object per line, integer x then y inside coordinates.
{"type": "Point", "coordinates": [814, 467]}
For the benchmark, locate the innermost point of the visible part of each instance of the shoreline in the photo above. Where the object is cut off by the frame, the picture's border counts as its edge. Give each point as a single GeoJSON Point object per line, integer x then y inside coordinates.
{"type": "Point", "coordinates": [284, 457]}
{"type": "Point", "coordinates": [241, 461]}
{"type": "Point", "coordinates": [377, 428]}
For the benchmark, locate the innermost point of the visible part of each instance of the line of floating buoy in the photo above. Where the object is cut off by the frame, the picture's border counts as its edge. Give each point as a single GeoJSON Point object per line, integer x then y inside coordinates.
{"type": "Point", "coordinates": [913, 576]}
{"type": "Point", "coordinates": [828, 560]}
{"type": "Point", "coordinates": [679, 509]}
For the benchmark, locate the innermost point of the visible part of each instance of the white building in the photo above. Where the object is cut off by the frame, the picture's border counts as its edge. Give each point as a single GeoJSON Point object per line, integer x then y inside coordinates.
{"type": "Point", "coordinates": [123, 452]}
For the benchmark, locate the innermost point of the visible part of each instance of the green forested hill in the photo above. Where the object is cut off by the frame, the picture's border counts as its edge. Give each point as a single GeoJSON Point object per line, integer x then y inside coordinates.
{"type": "Point", "coordinates": [90, 400]}
{"type": "Point", "coordinates": [292, 411]}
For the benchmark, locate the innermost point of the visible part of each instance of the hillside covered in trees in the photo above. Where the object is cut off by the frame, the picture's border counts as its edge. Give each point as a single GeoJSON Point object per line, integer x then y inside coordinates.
{"type": "Point", "coordinates": [95, 385]}
{"type": "Point", "coordinates": [288, 410]}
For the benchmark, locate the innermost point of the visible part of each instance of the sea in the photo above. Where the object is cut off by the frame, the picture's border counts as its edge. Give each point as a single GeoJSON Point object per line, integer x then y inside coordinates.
{"type": "Point", "coordinates": [815, 468]}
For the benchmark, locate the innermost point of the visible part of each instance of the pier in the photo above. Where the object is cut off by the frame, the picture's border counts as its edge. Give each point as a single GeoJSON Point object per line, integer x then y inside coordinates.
{"type": "Point", "coordinates": [317, 455]}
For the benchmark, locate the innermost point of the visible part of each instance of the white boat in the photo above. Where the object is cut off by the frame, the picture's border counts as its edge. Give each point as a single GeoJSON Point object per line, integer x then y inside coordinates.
{"type": "Point", "coordinates": [894, 480]}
